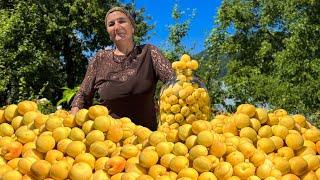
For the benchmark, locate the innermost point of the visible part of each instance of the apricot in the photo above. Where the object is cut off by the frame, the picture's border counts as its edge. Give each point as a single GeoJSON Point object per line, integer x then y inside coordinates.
{"type": "Point", "coordinates": [40, 169]}
{"type": "Point", "coordinates": [202, 164]}
{"type": "Point", "coordinates": [86, 158]}
{"type": "Point", "coordinates": [223, 170]}
{"type": "Point", "coordinates": [59, 170]}
{"type": "Point", "coordinates": [178, 163]}
{"type": "Point", "coordinates": [12, 150]}
{"type": "Point", "coordinates": [45, 143]}
{"type": "Point", "coordinates": [148, 158]}
{"type": "Point", "coordinates": [97, 110]}
{"type": "Point", "coordinates": [115, 165]}
{"type": "Point", "coordinates": [80, 171]}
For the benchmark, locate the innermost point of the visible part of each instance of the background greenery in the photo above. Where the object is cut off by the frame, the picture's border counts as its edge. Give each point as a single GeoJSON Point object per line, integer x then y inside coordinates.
{"type": "Point", "coordinates": [262, 52]}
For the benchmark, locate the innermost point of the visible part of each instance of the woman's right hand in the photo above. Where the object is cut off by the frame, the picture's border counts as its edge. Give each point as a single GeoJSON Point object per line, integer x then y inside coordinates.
{"type": "Point", "coordinates": [74, 110]}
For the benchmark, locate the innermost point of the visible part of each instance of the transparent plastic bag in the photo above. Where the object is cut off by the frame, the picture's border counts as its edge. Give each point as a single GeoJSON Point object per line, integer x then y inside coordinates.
{"type": "Point", "coordinates": [185, 98]}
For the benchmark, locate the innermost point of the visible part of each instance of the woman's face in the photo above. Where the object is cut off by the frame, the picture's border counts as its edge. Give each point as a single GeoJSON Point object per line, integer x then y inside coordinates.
{"type": "Point", "coordinates": [119, 27]}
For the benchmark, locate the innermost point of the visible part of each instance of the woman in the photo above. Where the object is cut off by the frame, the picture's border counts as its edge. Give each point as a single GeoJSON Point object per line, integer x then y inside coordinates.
{"type": "Point", "coordinates": [124, 77]}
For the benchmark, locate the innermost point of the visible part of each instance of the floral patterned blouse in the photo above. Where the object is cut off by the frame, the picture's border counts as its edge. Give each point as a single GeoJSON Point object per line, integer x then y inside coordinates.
{"type": "Point", "coordinates": [126, 84]}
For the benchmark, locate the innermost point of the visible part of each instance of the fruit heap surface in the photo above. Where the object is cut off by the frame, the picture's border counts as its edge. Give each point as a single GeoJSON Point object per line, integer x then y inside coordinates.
{"type": "Point", "coordinates": [251, 143]}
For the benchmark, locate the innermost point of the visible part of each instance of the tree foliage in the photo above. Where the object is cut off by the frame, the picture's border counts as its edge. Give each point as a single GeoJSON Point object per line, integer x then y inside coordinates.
{"type": "Point", "coordinates": [273, 50]}
{"type": "Point", "coordinates": [177, 31]}
{"type": "Point", "coordinates": [44, 44]}
{"type": "Point", "coordinates": [209, 68]}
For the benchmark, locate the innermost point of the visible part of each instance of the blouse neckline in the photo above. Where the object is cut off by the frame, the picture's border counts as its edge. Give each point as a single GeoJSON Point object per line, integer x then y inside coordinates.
{"type": "Point", "coordinates": [121, 58]}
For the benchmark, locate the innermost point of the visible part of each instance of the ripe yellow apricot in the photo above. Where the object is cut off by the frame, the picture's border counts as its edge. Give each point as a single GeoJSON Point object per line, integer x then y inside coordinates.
{"type": "Point", "coordinates": [157, 137]}
{"type": "Point", "coordinates": [278, 142]}
{"type": "Point", "coordinates": [115, 134]}
{"type": "Point", "coordinates": [265, 131]}
{"type": "Point", "coordinates": [40, 169]}
{"type": "Point", "coordinates": [6, 130]}
{"type": "Point", "coordinates": [313, 162]}
{"type": "Point", "coordinates": [86, 158]}
{"type": "Point", "coordinates": [207, 175]}
{"type": "Point", "coordinates": [218, 148]}
{"type": "Point", "coordinates": [205, 138]}
{"type": "Point", "coordinates": [223, 170]}
{"type": "Point", "coordinates": [53, 123]}
{"type": "Point", "coordinates": [69, 121]}
{"type": "Point", "coordinates": [29, 117]}
{"type": "Point", "coordinates": [248, 132]}
{"type": "Point", "coordinates": [190, 173]}
{"type": "Point", "coordinates": [99, 149]}
{"type": "Point", "coordinates": [287, 121]}
{"type": "Point", "coordinates": [286, 153]}
{"type": "Point", "coordinates": [262, 115]}
{"type": "Point", "coordinates": [280, 112]}
{"type": "Point", "coordinates": [242, 120]}
{"type": "Point", "coordinates": [178, 117]}
{"type": "Point", "coordinates": [247, 149]}
{"type": "Point", "coordinates": [129, 150]}
{"type": "Point", "coordinates": [60, 133]}
{"type": "Point", "coordinates": [185, 58]}
{"type": "Point", "coordinates": [163, 148]}
{"type": "Point", "coordinates": [81, 116]}
{"type": "Point", "coordinates": [148, 158]}
{"type": "Point", "coordinates": [202, 164]}
{"type": "Point", "coordinates": [10, 112]}
{"type": "Point", "coordinates": [184, 131]}
{"type": "Point", "coordinates": [312, 135]}
{"type": "Point", "coordinates": [294, 141]}
{"type": "Point", "coordinates": [166, 159]}
{"type": "Point", "coordinates": [45, 143]}
{"type": "Point", "coordinates": [75, 148]}
{"type": "Point", "coordinates": [97, 110]}
{"type": "Point", "coordinates": [178, 163]}
{"type": "Point", "coordinates": [280, 131]}
{"type": "Point", "coordinates": [157, 171]}
{"type": "Point", "coordinates": [24, 165]}
{"type": "Point", "coordinates": [54, 156]}
{"type": "Point", "coordinates": [59, 170]}
{"type": "Point", "coordinates": [300, 119]}
{"type": "Point", "coordinates": [94, 136]}
{"type": "Point", "coordinates": [115, 165]}
{"type": "Point", "coordinates": [247, 109]}
{"type": "Point", "coordinates": [298, 165]}
{"type": "Point", "coordinates": [100, 163]}
{"type": "Point", "coordinates": [266, 145]}
{"type": "Point", "coordinates": [80, 171]}
{"type": "Point", "coordinates": [180, 149]}
{"type": "Point", "coordinates": [281, 164]}
{"type": "Point", "coordinates": [62, 144]}
{"type": "Point", "coordinates": [244, 170]}
{"type": "Point", "coordinates": [12, 174]}
{"type": "Point", "coordinates": [193, 64]}
{"type": "Point", "coordinates": [16, 122]}
{"type": "Point", "coordinates": [235, 158]}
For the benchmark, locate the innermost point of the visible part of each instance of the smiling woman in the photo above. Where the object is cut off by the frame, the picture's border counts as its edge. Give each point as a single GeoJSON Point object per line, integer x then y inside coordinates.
{"type": "Point", "coordinates": [125, 77]}
{"type": "Point", "coordinates": [120, 26]}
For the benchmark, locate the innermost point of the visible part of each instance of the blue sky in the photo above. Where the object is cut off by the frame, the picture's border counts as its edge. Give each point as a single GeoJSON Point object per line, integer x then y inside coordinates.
{"type": "Point", "coordinates": [200, 27]}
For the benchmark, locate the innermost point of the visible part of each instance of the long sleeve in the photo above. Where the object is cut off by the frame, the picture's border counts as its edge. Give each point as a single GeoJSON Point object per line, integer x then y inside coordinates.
{"type": "Point", "coordinates": [84, 97]}
{"type": "Point", "coordinates": [162, 66]}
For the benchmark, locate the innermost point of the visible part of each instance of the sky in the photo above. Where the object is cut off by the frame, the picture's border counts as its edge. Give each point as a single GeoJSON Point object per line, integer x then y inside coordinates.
{"type": "Point", "coordinates": [200, 27]}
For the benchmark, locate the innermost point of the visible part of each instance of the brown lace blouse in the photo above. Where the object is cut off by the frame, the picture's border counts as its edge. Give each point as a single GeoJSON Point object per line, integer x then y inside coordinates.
{"type": "Point", "coordinates": [125, 84]}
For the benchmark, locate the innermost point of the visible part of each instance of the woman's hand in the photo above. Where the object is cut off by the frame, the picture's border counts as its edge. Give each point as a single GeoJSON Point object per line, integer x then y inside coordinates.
{"type": "Point", "coordinates": [74, 110]}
